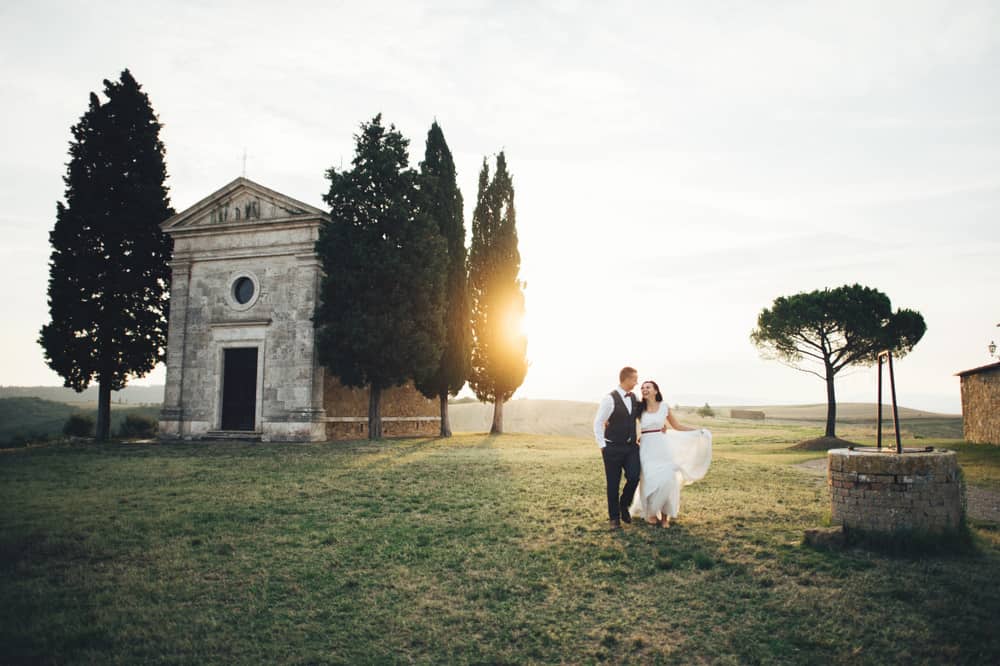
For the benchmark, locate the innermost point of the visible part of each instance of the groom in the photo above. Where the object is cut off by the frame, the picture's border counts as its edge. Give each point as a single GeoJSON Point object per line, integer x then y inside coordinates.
{"type": "Point", "coordinates": [614, 430]}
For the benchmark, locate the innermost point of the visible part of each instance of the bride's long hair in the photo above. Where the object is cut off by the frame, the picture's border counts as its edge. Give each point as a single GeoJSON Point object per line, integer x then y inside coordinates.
{"type": "Point", "coordinates": [659, 396]}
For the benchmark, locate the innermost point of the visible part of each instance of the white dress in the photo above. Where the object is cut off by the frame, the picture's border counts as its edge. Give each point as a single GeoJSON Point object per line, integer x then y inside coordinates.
{"type": "Point", "coordinates": [669, 460]}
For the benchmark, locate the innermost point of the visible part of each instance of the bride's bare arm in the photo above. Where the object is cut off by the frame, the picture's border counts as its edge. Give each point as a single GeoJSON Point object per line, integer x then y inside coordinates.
{"type": "Point", "coordinates": [675, 425]}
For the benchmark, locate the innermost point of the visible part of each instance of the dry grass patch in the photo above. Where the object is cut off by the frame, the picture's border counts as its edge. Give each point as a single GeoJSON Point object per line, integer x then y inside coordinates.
{"type": "Point", "coordinates": [823, 444]}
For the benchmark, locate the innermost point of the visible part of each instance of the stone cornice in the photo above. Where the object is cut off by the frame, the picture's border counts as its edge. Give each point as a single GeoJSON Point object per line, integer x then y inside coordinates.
{"type": "Point", "coordinates": [228, 228]}
{"type": "Point", "coordinates": [364, 419]}
{"type": "Point", "coordinates": [298, 250]}
{"type": "Point", "coordinates": [239, 323]}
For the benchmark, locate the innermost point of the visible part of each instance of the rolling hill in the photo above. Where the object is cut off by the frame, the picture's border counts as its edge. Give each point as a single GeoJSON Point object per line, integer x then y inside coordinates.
{"type": "Point", "coordinates": [575, 419]}
{"type": "Point", "coordinates": [130, 395]}
{"type": "Point", "coordinates": [43, 410]}
{"type": "Point", "coordinates": [35, 419]}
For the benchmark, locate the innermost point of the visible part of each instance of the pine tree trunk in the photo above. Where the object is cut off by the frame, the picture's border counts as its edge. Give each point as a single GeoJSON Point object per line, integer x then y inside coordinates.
{"type": "Point", "coordinates": [374, 412]}
{"type": "Point", "coordinates": [445, 423]}
{"type": "Point", "coordinates": [497, 428]}
{"type": "Point", "coordinates": [103, 430]}
{"type": "Point", "coordinates": [831, 405]}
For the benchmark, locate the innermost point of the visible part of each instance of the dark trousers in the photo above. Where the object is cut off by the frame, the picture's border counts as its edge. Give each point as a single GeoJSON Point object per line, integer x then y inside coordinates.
{"type": "Point", "coordinates": [620, 458]}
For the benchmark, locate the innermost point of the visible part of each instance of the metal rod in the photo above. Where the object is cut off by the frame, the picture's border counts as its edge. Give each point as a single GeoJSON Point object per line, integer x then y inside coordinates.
{"type": "Point", "coordinates": [895, 409]}
{"type": "Point", "coordinates": [878, 406]}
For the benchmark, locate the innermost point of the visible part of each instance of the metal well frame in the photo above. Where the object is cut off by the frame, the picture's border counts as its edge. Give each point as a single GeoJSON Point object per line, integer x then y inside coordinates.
{"type": "Point", "coordinates": [883, 356]}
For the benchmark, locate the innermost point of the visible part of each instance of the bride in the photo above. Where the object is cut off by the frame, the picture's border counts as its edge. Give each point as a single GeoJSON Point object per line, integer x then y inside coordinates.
{"type": "Point", "coordinates": [669, 459]}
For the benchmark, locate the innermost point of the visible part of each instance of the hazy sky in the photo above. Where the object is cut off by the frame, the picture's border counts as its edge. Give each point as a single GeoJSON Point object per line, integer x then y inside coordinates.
{"type": "Point", "coordinates": [677, 165]}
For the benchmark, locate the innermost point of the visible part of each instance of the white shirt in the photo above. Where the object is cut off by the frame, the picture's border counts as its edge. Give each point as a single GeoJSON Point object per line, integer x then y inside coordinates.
{"type": "Point", "coordinates": [604, 410]}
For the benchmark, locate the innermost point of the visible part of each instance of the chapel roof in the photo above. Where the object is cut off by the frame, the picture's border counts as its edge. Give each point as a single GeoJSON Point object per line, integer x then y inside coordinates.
{"type": "Point", "coordinates": [241, 202]}
{"type": "Point", "coordinates": [980, 369]}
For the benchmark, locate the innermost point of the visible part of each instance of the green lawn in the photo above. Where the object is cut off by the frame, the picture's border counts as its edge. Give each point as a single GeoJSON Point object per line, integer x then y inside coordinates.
{"type": "Point", "coordinates": [470, 550]}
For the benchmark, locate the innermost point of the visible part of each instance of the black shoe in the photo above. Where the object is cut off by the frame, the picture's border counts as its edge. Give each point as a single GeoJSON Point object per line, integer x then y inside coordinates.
{"type": "Point", "coordinates": [614, 524]}
{"type": "Point", "coordinates": [626, 516]}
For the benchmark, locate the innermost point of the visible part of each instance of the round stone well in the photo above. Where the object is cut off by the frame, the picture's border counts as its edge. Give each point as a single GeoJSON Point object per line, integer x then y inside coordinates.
{"type": "Point", "coordinates": [886, 491]}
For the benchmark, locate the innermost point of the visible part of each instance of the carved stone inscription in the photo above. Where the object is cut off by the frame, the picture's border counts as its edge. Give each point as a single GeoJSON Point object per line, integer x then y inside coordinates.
{"type": "Point", "coordinates": [247, 208]}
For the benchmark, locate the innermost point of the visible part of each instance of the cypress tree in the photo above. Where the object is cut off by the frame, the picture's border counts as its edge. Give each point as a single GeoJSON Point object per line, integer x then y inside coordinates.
{"type": "Point", "coordinates": [108, 271]}
{"type": "Point", "coordinates": [441, 201]}
{"type": "Point", "coordinates": [499, 346]}
{"type": "Point", "coordinates": [379, 321]}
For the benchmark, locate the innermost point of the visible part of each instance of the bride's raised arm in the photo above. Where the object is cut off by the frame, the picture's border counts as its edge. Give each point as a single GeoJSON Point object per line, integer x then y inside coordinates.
{"type": "Point", "coordinates": [675, 425]}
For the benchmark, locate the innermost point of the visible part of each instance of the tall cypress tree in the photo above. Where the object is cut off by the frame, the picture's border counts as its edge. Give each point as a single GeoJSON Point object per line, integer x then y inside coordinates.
{"type": "Point", "coordinates": [380, 318]}
{"type": "Point", "coordinates": [441, 201]}
{"type": "Point", "coordinates": [108, 272]}
{"type": "Point", "coordinates": [499, 346]}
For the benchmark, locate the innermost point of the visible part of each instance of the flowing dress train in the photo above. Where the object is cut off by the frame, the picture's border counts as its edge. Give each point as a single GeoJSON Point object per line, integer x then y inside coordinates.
{"type": "Point", "coordinates": [669, 461]}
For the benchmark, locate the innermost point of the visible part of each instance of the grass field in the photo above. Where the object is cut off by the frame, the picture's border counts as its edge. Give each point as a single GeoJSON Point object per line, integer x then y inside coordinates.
{"type": "Point", "coordinates": [470, 550]}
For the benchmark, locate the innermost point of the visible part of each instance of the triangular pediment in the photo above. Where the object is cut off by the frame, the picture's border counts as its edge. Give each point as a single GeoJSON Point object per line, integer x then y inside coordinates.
{"type": "Point", "coordinates": [241, 202]}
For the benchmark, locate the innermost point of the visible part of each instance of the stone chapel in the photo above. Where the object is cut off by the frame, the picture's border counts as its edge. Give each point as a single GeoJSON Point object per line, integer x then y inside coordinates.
{"type": "Point", "coordinates": [241, 361]}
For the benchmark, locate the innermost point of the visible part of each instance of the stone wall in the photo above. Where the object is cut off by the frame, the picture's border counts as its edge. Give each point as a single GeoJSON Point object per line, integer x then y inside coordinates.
{"type": "Point", "coordinates": [392, 426]}
{"type": "Point", "coordinates": [405, 412]}
{"type": "Point", "coordinates": [981, 407]}
{"type": "Point", "coordinates": [888, 492]}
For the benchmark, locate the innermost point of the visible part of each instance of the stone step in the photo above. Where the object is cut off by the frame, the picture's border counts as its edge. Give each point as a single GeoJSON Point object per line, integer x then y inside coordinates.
{"type": "Point", "coordinates": [233, 435]}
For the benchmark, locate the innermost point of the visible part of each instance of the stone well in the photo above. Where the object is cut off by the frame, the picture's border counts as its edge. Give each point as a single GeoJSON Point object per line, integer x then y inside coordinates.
{"type": "Point", "coordinates": [884, 491]}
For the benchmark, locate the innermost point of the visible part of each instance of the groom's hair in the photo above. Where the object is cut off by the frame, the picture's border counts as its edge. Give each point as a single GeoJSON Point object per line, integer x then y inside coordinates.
{"type": "Point", "coordinates": [625, 372]}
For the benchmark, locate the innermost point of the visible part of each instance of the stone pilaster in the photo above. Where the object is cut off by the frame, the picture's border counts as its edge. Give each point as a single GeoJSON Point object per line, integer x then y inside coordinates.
{"type": "Point", "coordinates": [172, 414]}
{"type": "Point", "coordinates": [310, 276]}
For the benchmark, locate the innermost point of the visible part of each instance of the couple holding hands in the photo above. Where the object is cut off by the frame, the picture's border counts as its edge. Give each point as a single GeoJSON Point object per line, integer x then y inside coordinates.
{"type": "Point", "coordinates": [634, 439]}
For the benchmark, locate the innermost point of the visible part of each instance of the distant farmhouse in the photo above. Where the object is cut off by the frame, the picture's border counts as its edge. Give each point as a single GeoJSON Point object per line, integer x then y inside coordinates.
{"type": "Point", "coordinates": [981, 404]}
{"type": "Point", "coordinates": [241, 358]}
{"type": "Point", "coordinates": [751, 414]}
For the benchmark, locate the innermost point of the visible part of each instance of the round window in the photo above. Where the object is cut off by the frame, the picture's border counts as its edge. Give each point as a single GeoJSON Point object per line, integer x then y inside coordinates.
{"type": "Point", "coordinates": [243, 290]}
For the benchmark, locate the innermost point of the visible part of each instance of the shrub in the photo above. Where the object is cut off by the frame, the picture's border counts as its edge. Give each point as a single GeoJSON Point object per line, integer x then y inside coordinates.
{"type": "Point", "coordinates": [15, 440]}
{"type": "Point", "coordinates": [706, 411]}
{"type": "Point", "coordinates": [135, 425]}
{"type": "Point", "coordinates": [79, 425]}
{"type": "Point", "coordinates": [703, 561]}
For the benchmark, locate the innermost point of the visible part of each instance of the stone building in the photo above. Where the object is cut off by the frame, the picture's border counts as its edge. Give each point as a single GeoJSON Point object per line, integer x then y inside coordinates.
{"type": "Point", "coordinates": [981, 404]}
{"type": "Point", "coordinates": [241, 360]}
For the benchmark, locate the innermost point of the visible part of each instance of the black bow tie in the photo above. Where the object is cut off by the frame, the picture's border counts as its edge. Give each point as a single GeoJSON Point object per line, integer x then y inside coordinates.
{"type": "Point", "coordinates": [630, 395]}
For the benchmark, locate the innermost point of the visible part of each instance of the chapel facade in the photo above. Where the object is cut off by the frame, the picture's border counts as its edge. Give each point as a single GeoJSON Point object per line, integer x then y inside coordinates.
{"type": "Point", "coordinates": [241, 357]}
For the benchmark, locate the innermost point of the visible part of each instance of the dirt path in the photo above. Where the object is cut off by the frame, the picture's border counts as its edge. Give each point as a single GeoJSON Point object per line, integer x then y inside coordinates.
{"type": "Point", "coordinates": [982, 504]}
